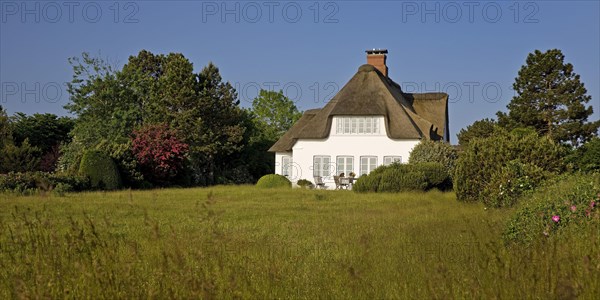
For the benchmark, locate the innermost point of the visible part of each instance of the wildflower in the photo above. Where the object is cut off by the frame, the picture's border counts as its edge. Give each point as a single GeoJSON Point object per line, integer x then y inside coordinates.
{"type": "Point", "coordinates": [546, 233]}
{"type": "Point", "coordinates": [555, 218]}
{"type": "Point", "coordinates": [573, 208]}
{"type": "Point", "coordinates": [592, 204]}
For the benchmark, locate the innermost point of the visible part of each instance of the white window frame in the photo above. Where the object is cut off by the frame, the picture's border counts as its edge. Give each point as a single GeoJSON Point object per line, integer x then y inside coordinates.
{"type": "Point", "coordinates": [344, 164]}
{"type": "Point", "coordinates": [388, 160]}
{"type": "Point", "coordinates": [322, 165]}
{"type": "Point", "coordinates": [370, 165]}
{"type": "Point", "coordinates": [286, 166]}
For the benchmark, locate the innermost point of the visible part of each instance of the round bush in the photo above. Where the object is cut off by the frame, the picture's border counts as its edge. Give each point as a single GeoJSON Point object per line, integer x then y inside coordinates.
{"type": "Point", "coordinates": [101, 170]}
{"type": "Point", "coordinates": [273, 181]}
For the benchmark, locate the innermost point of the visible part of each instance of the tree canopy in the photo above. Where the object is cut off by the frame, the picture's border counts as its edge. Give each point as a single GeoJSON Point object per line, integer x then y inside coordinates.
{"type": "Point", "coordinates": [551, 99]}
{"type": "Point", "coordinates": [275, 113]}
{"type": "Point", "coordinates": [155, 89]}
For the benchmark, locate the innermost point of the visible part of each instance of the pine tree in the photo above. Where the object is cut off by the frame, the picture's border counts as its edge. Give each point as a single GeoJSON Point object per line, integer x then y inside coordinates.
{"type": "Point", "coordinates": [551, 99]}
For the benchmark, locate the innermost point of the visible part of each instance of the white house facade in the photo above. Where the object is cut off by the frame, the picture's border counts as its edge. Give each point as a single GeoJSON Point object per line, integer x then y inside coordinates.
{"type": "Point", "coordinates": [370, 122]}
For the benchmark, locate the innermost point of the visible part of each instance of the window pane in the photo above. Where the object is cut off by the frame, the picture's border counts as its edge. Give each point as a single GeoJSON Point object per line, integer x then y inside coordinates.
{"type": "Point", "coordinates": [354, 121]}
{"type": "Point", "coordinates": [361, 125]}
{"type": "Point", "coordinates": [375, 125]}
{"type": "Point", "coordinates": [368, 125]}
{"type": "Point", "coordinates": [286, 166]}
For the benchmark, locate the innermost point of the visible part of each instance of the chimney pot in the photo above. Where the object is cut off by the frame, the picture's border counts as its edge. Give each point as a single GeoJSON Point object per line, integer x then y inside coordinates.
{"type": "Point", "coordinates": [377, 58]}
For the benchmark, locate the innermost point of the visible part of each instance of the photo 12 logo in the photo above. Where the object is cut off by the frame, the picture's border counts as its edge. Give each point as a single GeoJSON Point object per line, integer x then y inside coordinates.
{"type": "Point", "coordinates": [269, 12]}
{"type": "Point", "coordinates": [320, 92]}
{"type": "Point", "coordinates": [490, 92]}
{"type": "Point", "coordinates": [50, 92]}
{"type": "Point", "coordinates": [469, 11]}
{"type": "Point", "coordinates": [68, 11]}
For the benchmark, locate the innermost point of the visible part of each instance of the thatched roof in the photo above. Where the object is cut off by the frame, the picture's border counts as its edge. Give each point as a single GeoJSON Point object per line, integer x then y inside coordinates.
{"type": "Point", "coordinates": [370, 93]}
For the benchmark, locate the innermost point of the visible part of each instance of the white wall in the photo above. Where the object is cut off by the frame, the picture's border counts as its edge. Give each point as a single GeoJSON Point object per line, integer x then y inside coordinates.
{"type": "Point", "coordinates": [278, 161]}
{"type": "Point", "coordinates": [344, 145]}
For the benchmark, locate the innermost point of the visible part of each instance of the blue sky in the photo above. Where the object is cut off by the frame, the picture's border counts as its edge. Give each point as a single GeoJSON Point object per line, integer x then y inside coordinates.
{"type": "Point", "coordinates": [471, 50]}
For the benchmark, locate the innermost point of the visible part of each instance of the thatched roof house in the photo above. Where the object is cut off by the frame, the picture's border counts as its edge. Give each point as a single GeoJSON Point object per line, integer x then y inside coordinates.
{"type": "Point", "coordinates": [370, 94]}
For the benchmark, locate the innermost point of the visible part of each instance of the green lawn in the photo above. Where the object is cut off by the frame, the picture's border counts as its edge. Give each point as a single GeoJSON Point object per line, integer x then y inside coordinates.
{"type": "Point", "coordinates": [243, 242]}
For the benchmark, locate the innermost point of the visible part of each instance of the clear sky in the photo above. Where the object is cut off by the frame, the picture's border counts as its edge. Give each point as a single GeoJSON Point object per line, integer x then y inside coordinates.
{"type": "Point", "coordinates": [471, 50]}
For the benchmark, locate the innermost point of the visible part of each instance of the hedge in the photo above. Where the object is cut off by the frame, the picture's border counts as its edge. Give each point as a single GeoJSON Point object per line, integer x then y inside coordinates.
{"type": "Point", "coordinates": [404, 177]}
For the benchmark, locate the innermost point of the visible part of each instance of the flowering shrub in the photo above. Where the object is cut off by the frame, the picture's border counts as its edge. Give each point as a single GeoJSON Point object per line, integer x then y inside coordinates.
{"type": "Point", "coordinates": [569, 202]}
{"type": "Point", "coordinates": [159, 152]}
{"type": "Point", "coordinates": [511, 182]}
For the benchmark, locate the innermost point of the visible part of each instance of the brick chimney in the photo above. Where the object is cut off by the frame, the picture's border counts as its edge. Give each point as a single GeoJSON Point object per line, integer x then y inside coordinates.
{"type": "Point", "coordinates": [376, 58]}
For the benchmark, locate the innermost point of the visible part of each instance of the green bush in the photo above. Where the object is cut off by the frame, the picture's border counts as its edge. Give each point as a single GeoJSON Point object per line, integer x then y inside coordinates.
{"type": "Point", "coordinates": [569, 202]}
{"type": "Point", "coordinates": [19, 183]}
{"type": "Point", "coordinates": [428, 151]}
{"type": "Point", "coordinates": [368, 183]}
{"type": "Point", "coordinates": [436, 174]}
{"type": "Point", "coordinates": [483, 162]}
{"type": "Point", "coordinates": [61, 188]}
{"type": "Point", "coordinates": [587, 157]}
{"type": "Point", "coordinates": [273, 181]}
{"type": "Point", "coordinates": [404, 177]}
{"type": "Point", "coordinates": [399, 180]}
{"type": "Point", "coordinates": [305, 184]}
{"type": "Point", "coordinates": [101, 170]}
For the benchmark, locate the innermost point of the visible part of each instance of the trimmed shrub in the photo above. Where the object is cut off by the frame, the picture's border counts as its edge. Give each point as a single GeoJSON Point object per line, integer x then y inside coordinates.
{"type": "Point", "coordinates": [273, 181]}
{"type": "Point", "coordinates": [484, 161]}
{"type": "Point", "coordinates": [101, 170]}
{"type": "Point", "coordinates": [567, 203]}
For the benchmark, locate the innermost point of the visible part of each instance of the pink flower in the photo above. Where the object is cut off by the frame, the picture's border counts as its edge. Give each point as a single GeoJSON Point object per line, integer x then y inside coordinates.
{"type": "Point", "coordinates": [573, 208]}
{"type": "Point", "coordinates": [555, 219]}
{"type": "Point", "coordinates": [592, 204]}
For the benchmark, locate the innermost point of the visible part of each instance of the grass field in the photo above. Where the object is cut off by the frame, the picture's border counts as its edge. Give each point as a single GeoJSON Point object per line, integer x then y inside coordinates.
{"type": "Point", "coordinates": [242, 242]}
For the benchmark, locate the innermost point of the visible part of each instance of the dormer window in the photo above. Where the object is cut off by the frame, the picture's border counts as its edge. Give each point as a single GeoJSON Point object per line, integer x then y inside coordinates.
{"type": "Point", "coordinates": [358, 125]}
